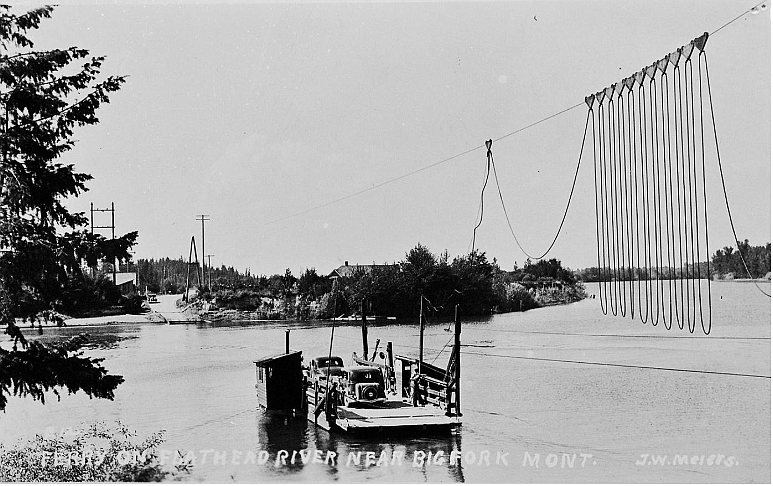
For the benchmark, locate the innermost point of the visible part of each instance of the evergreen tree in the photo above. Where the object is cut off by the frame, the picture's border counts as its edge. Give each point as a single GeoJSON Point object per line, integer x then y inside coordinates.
{"type": "Point", "coordinates": [44, 95]}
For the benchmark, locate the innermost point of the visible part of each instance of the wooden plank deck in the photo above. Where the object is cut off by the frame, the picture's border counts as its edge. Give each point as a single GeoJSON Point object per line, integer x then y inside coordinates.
{"type": "Point", "coordinates": [391, 415]}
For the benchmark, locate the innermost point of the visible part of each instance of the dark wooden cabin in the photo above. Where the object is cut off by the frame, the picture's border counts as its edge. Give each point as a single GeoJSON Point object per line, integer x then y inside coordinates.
{"type": "Point", "coordinates": [280, 382]}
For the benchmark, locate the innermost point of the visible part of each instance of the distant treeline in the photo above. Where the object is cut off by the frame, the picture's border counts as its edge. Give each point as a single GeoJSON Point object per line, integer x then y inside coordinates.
{"type": "Point", "coordinates": [724, 262]}
{"type": "Point", "coordinates": [168, 275]}
{"type": "Point", "coordinates": [728, 260]}
{"type": "Point", "coordinates": [594, 274]}
{"type": "Point", "coordinates": [479, 286]}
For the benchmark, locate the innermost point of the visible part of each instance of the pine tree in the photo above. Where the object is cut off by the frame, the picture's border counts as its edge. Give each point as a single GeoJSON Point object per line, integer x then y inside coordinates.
{"type": "Point", "coordinates": [44, 96]}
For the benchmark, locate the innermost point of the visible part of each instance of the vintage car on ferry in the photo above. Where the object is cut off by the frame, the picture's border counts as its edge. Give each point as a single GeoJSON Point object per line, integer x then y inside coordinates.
{"type": "Point", "coordinates": [318, 367]}
{"type": "Point", "coordinates": [361, 385]}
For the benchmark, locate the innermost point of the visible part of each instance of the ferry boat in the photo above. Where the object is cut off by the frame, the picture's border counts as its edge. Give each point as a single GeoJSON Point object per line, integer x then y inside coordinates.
{"type": "Point", "coordinates": [400, 394]}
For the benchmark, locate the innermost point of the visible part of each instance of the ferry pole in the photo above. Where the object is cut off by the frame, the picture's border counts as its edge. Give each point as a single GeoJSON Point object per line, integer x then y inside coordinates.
{"type": "Point", "coordinates": [457, 355]}
{"type": "Point", "coordinates": [112, 221]}
{"type": "Point", "coordinates": [421, 333]}
{"type": "Point", "coordinates": [364, 331]}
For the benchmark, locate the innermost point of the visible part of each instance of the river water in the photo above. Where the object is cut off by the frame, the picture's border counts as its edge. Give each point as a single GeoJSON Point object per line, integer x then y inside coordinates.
{"type": "Point", "coordinates": [540, 402]}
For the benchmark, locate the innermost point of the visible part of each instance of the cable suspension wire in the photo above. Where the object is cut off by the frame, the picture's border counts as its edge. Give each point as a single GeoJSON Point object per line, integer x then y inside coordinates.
{"type": "Point", "coordinates": [721, 172]}
{"type": "Point", "coordinates": [492, 165]}
{"type": "Point", "coordinates": [625, 336]}
{"type": "Point", "coordinates": [376, 186]}
{"type": "Point", "coordinates": [421, 169]}
{"type": "Point", "coordinates": [617, 365]}
{"type": "Point", "coordinates": [489, 162]}
{"type": "Point", "coordinates": [613, 365]}
{"type": "Point", "coordinates": [762, 5]}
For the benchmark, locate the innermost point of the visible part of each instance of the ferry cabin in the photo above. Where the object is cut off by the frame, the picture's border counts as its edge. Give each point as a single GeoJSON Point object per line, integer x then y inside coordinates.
{"type": "Point", "coordinates": [280, 383]}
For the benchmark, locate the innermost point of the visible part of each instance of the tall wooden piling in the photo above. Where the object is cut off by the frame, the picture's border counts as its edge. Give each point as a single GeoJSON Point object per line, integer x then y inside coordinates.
{"type": "Point", "coordinates": [457, 354]}
{"type": "Point", "coordinates": [287, 341]}
{"type": "Point", "coordinates": [421, 333]}
{"type": "Point", "coordinates": [364, 331]}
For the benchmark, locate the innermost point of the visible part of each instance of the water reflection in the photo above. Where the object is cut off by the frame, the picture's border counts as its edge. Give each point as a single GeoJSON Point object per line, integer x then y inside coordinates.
{"type": "Point", "coordinates": [293, 446]}
{"type": "Point", "coordinates": [280, 438]}
{"type": "Point", "coordinates": [325, 441]}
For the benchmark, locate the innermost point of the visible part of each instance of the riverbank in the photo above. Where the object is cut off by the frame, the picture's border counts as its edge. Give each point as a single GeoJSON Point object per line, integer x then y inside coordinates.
{"type": "Point", "coordinates": [203, 311]}
{"type": "Point", "coordinates": [149, 317]}
{"type": "Point", "coordinates": [158, 313]}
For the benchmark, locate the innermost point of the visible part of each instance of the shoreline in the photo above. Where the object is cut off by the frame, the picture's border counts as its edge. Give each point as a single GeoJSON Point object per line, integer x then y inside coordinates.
{"type": "Point", "coordinates": [195, 315]}
{"type": "Point", "coordinates": [151, 317]}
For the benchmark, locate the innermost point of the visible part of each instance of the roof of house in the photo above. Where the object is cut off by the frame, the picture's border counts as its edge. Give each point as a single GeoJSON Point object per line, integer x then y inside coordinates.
{"type": "Point", "coordinates": [349, 270]}
{"type": "Point", "coordinates": [125, 277]}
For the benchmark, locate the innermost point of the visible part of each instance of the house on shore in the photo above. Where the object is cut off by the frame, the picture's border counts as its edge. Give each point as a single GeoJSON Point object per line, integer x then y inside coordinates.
{"type": "Point", "coordinates": [126, 282]}
{"type": "Point", "coordinates": [347, 270]}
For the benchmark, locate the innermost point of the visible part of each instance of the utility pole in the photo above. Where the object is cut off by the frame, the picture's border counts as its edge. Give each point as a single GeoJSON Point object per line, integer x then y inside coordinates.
{"type": "Point", "coordinates": [209, 265]}
{"type": "Point", "coordinates": [111, 210]}
{"type": "Point", "coordinates": [192, 253]}
{"type": "Point", "coordinates": [202, 218]}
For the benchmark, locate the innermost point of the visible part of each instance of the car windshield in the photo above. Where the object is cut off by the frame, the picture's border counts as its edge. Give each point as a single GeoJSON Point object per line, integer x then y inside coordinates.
{"type": "Point", "coordinates": [325, 362]}
{"type": "Point", "coordinates": [366, 376]}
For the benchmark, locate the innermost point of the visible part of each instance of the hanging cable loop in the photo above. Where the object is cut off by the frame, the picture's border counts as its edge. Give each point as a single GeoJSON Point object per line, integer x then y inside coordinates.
{"type": "Point", "coordinates": [492, 165]}
{"type": "Point", "coordinates": [649, 164]}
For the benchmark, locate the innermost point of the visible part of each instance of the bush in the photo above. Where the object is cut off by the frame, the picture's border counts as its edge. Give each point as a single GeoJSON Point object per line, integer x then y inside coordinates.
{"type": "Point", "coordinates": [516, 298]}
{"type": "Point", "coordinates": [561, 295]}
{"type": "Point", "coordinates": [132, 303]}
{"type": "Point", "coordinates": [85, 296]}
{"type": "Point", "coordinates": [242, 300]}
{"type": "Point", "coordinates": [92, 453]}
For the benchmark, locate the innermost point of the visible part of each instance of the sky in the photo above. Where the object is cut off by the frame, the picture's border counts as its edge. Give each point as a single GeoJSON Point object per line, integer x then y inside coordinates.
{"type": "Point", "coordinates": [314, 134]}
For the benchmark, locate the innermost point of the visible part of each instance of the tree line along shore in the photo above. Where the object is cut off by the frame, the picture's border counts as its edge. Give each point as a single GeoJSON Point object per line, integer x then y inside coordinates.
{"type": "Point", "coordinates": [477, 285]}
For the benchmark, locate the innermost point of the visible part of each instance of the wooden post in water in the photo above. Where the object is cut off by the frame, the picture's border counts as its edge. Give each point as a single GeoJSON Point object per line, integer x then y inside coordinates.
{"type": "Point", "coordinates": [421, 333]}
{"type": "Point", "coordinates": [287, 341]}
{"type": "Point", "coordinates": [112, 221]}
{"type": "Point", "coordinates": [390, 364]}
{"type": "Point", "coordinates": [458, 355]}
{"type": "Point", "coordinates": [364, 331]}
{"type": "Point", "coordinates": [316, 400]}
